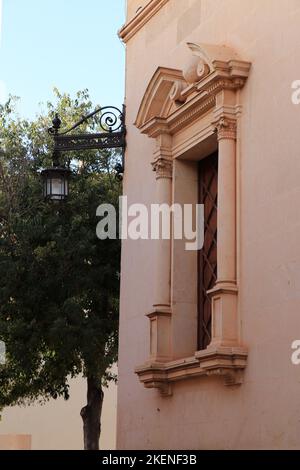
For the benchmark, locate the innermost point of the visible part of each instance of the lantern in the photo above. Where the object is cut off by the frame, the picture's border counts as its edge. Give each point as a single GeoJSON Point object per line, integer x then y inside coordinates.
{"type": "Point", "coordinates": [56, 183]}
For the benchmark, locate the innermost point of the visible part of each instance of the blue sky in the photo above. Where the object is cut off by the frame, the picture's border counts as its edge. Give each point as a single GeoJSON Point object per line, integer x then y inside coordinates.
{"type": "Point", "coordinates": [70, 44]}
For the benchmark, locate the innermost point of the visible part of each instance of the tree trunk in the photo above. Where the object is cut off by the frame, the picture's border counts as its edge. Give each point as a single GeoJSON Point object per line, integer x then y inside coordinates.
{"type": "Point", "coordinates": [91, 414]}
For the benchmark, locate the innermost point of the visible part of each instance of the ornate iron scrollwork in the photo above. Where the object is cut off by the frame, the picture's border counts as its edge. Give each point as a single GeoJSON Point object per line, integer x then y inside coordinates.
{"type": "Point", "coordinates": [111, 122]}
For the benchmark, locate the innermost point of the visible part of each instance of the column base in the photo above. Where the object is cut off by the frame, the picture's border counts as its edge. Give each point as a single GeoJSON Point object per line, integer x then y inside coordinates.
{"type": "Point", "coordinates": [160, 333]}
{"type": "Point", "coordinates": [225, 330]}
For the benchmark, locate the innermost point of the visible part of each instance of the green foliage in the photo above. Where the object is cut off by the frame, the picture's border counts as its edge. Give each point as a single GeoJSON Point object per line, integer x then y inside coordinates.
{"type": "Point", "coordinates": [59, 284]}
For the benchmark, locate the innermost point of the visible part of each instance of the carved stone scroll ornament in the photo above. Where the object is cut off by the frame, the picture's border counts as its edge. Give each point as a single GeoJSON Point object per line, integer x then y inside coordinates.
{"type": "Point", "coordinates": [176, 92]}
{"type": "Point", "coordinates": [196, 67]}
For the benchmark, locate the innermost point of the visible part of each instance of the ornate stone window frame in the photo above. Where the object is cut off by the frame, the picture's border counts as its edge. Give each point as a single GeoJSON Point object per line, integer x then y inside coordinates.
{"type": "Point", "coordinates": [190, 114]}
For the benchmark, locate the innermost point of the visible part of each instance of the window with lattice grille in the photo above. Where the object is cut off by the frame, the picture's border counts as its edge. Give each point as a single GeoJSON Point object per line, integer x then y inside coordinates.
{"type": "Point", "coordinates": [207, 258]}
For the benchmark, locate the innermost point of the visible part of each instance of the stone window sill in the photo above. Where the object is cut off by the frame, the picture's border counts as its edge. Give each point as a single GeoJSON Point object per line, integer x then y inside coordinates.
{"type": "Point", "coordinates": [228, 362]}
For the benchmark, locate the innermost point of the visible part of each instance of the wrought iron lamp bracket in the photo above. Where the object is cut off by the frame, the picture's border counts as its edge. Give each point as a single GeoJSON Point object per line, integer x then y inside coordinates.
{"type": "Point", "coordinates": [112, 135]}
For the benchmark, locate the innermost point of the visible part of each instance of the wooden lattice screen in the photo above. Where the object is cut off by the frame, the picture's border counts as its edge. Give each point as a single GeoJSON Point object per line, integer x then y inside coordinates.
{"type": "Point", "coordinates": [207, 258]}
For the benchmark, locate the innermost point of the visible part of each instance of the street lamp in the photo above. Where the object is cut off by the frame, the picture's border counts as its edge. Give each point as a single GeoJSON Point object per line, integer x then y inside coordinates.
{"type": "Point", "coordinates": [56, 179]}
{"type": "Point", "coordinates": [112, 135]}
{"type": "Point", "coordinates": [56, 183]}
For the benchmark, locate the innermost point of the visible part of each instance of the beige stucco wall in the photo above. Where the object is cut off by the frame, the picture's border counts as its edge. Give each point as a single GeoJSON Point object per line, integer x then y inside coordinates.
{"type": "Point", "coordinates": [264, 412]}
{"type": "Point", "coordinates": [57, 425]}
{"type": "Point", "coordinates": [133, 6]}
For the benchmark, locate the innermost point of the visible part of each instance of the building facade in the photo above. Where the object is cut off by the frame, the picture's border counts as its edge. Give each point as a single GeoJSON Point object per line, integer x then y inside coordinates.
{"type": "Point", "coordinates": [206, 336]}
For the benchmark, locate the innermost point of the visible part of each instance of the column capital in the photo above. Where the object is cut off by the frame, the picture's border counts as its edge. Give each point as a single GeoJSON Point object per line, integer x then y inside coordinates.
{"type": "Point", "coordinates": [163, 161]}
{"type": "Point", "coordinates": [225, 127]}
{"type": "Point", "coordinates": [163, 167]}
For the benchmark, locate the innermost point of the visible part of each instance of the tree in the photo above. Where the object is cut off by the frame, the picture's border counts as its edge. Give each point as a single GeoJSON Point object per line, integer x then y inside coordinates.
{"type": "Point", "coordinates": [59, 284]}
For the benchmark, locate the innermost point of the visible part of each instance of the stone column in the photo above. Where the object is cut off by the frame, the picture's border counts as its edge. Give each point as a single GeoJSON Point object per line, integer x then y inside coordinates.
{"type": "Point", "coordinates": [226, 248]}
{"type": "Point", "coordinates": [160, 317]}
{"type": "Point", "coordinates": [224, 294]}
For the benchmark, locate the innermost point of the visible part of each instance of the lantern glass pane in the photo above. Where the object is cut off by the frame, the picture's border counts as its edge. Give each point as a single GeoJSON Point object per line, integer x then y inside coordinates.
{"type": "Point", "coordinates": [56, 184]}
{"type": "Point", "coordinates": [57, 187]}
{"type": "Point", "coordinates": [48, 186]}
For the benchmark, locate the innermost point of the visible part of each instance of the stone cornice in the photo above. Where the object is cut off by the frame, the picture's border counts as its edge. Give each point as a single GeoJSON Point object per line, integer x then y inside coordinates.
{"type": "Point", "coordinates": [182, 117]}
{"type": "Point", "coordinates": [197, 105]}
{"type": "Point", "coordinates": [140, 19]}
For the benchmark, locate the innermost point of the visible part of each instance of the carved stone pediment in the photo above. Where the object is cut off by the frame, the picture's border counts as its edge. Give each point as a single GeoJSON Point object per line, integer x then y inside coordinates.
{"type": "Point", "coordinates": [156, 101]}
{"type": "Point", "coordinates": [174, 98]}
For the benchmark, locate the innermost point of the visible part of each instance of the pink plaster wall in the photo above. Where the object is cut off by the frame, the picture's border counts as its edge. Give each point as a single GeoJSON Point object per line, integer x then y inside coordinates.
{"type": "Point", "coordinates": [15, 442]}
{"type": "Point", "coordinates": [202, 413]}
